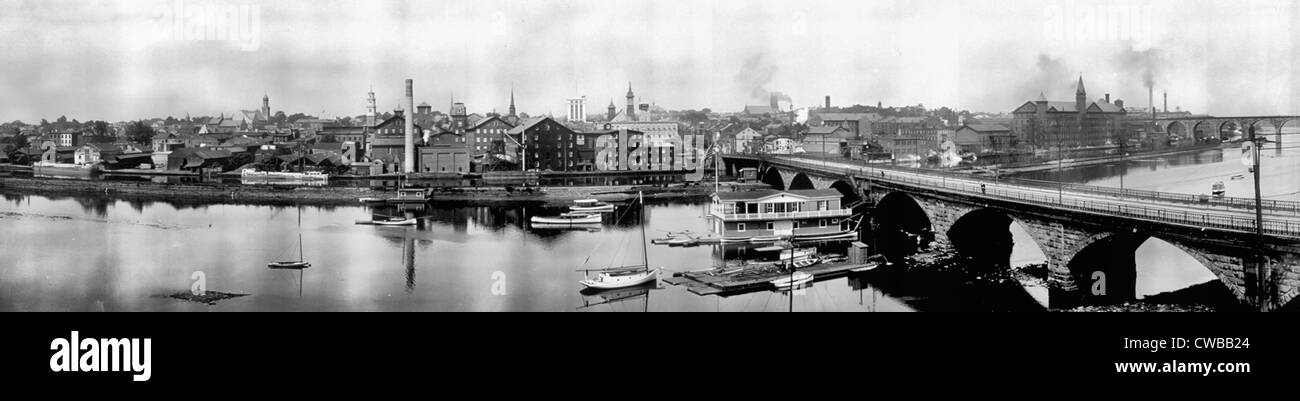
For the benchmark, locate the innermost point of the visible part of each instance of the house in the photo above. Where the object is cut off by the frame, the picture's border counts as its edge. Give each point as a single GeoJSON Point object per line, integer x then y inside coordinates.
{"type": "Point", "coordinates": [167, 141]}
{"type": "Point", "coordinates": [387, 143]}
{"type": "Point", "coordinates": [749, 141]}
{"type": "Point", "coordinates": [827, 139]}
{"type": "Point", "coordinates": [95, 152]}
{"type": "Point", "coordinates": [979, 138]}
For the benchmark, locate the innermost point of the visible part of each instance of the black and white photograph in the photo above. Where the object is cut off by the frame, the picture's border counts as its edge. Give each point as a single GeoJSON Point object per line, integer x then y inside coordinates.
{"type": "Point", "coordinates": [649, 156]}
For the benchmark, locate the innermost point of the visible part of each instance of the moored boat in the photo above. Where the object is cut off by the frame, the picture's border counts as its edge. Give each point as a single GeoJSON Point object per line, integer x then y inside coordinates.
{"type": "Point", "coordinates": [610, 280]}
{"type": "Point", "coordinates": [567, 219]}
{"type": "Point", "coordinates": [591, 205]}
{"type": "Point", "coordinates": [794, 279]}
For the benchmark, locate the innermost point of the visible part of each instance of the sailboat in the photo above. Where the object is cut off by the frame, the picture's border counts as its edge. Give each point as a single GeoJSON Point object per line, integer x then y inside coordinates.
{"type": "Point", "coordinates": [623, 277]}
{"type": "Point", "coordinates": [300, 263]}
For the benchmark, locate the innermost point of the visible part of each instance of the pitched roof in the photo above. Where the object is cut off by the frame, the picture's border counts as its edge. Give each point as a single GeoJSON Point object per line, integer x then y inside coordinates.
{"type": "Point", "coordinates": [752, 109]}
{"type": "Point", "coordinates": [986, 127]}
{"type": "Point", "coordinates": [768, 193]}
{"type": "Point", "coordinates": [484, 121]}
{"type": "Point", "coordinates": [526, 124]}
{"type": "Point", "coordinates": [825, 130]}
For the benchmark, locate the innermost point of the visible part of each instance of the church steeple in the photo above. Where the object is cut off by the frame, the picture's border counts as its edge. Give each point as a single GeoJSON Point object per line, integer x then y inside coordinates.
{"type": "Point", "coordinates": [512, 100]}
{"type": "Point", "coordinates": [631, 103]}
{"type": "Point", "coordinates": [1080, 97]}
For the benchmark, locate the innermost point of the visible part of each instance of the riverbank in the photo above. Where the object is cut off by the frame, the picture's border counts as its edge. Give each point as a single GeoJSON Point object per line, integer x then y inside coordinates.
{"type": "Point", "coordinates": [1052, 164]}
{"type": "Point", "coordinates": [339, 196]}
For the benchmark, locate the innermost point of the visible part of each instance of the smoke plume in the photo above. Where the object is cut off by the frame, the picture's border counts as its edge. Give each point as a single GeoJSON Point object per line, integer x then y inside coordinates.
{"type": "Point", "coordinates": [1147, 63]}
{"type": "Point", "coordinates": [754, 76]}
{"type": "Point", "coordinates": [1049, 73]}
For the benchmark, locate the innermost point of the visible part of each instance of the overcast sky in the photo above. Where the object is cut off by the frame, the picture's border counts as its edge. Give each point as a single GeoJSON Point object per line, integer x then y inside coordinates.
{"type": "Point", "coordinates": [117, 60]}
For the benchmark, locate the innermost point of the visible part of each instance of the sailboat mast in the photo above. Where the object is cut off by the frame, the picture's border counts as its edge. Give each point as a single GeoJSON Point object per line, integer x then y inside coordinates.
{"type": "Point", "coordinates": [300, 256]}
{"type": "Point", "coordinates": [645, 253]}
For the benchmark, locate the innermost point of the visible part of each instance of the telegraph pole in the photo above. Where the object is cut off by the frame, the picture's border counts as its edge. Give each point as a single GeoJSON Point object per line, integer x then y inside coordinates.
{"type": "Point", "coordinates": [1261, 267]}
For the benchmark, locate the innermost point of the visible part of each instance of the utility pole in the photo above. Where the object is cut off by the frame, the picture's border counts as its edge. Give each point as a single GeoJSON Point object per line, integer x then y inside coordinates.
{"type": "Point", "coordinates": [1261, 266]}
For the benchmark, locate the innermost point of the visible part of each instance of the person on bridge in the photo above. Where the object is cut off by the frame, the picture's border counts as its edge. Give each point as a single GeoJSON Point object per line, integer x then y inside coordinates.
{"type": "Point", "coordinates": [982, 191]}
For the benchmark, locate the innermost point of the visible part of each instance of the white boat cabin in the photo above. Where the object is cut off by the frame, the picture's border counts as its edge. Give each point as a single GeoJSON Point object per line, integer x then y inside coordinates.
{"type": "Point", "coordinates": [769, 212]}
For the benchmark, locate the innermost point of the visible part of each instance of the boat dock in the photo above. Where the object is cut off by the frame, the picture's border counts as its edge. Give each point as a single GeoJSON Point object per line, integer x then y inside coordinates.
{"type": "Point", "coordinates": [733, 280]}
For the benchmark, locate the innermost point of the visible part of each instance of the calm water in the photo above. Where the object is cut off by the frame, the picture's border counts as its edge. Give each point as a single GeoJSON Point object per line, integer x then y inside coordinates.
{"type": "Point", "coordinates": [1161, 266]}
{"type": "Point", "coordinates": [92, 254]}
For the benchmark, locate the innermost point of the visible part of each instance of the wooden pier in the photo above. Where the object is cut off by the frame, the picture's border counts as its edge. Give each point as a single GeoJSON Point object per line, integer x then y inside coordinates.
{"type": "Point", "coordinates": [754, 277]}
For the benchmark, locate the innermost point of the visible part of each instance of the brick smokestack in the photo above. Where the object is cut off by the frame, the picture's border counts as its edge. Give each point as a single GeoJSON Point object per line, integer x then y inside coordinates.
{"type": "Point", "coordinates": [408, 161]}
{"type": "Point", "coordinates": [828, 101]}
{"type": "Point", "coordinates": [1151, 100]}
{"type": "Point", "coordinates": [1166, 101]}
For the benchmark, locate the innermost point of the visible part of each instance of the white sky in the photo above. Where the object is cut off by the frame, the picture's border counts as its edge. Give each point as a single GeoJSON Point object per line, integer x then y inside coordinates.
{"type": "Point", "coordinates": [111, 60]}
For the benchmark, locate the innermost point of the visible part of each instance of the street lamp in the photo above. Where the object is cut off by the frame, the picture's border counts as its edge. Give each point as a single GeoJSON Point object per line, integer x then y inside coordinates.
{"type": "Point", "coordinates": [1261, 271]}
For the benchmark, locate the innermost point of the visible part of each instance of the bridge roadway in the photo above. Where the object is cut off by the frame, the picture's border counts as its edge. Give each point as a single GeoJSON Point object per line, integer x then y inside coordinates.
{"type": "Point", "coordinates": [1281, 223]}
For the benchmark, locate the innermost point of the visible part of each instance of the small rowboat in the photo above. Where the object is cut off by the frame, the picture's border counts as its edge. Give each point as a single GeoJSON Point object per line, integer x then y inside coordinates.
{"type": "Point", "coordinates": [591, 205]}
{"type": "Point", "coordinates": [805, 262]}
{"type": "Point", "coordinates": [757, 240]}
{"type": "Point", "coordinates": [568, 219]}
{"type": "Point", "coordinates": [798, 278]}
{"type": "Point", "coordinates": [288, 265]}
{"type": "Point", "coordinates": [681, 241]}
{"type": "Point", "coordinates": [394, 221]}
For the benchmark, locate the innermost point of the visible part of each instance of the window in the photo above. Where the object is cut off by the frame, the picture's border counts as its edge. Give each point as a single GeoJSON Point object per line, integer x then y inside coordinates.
{"type": "Point", "coordinates": [771, 226]}
{"type": "Point", "coordinates": [740, 227]}
{"type": "Point", "coordinates": [796, 225]}
{"type": "Point", "coordinates": [821, 205]}
{"type": "Point", "coordinates": [821, 223]}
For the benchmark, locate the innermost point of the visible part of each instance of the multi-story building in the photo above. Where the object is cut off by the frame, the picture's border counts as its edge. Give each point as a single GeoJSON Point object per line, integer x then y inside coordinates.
{"type": "Point", "coordinates": [859, 124]}
{"type": "Point", "coordinates": [1045, 124]}
{"type": "Point", "coordinates": [489, 136]}
{"type": "Point", "coordinates": [547, 144]}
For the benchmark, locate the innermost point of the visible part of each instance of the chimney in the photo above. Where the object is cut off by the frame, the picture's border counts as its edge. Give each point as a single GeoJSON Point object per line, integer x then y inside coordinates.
{"type": "Point", "coordinates": [408, 163]}
{"type": "Point", "coordinates": [1166, 101]}
{"type": "Point", "coordinates": [1107, 98]}
{"type": "Point", "coordinates": [775, 107]}
{"type": "Point", "coordinates": [1151, 99]}
{"type": "Point", "coordinates": [828, 101]}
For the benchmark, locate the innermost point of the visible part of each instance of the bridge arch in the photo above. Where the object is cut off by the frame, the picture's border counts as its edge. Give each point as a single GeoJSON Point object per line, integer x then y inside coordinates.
{"type": "Point", "coordinates": [903, 227]}
{"type": "Point", "coordinates": [1229, 129]}
{"type": "Point", "coordinates": [1178, 128]}
{"type": "Point", "coordinates": [1112, 268]}
{"type": "Point", "coordinates": [994, 242]}
{"type": "Point", "coordinates": [848, 191]}
{"type": "Point", "coordinates": [801, 181]}
{"type": "Point", "coordinates": [1201, 131]}
{"type": "Point", "coordinates": [772, 176]}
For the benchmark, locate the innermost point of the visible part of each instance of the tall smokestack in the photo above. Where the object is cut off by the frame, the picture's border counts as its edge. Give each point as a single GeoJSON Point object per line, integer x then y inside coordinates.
{"type": "Point", "coordinates": [408, 162]}
{"type": "Point", "coordinates": [1166, 101]}
{"type": "Point", "coordinates": [828, 101]}
{"type": "Point", "coordinates": [1151, 100]}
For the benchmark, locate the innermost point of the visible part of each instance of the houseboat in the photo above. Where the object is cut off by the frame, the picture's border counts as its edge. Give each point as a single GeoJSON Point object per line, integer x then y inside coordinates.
{"type": "Point", "coordinates": [404, 196]}
{"type": "Point", "coordinates": [768, 214]}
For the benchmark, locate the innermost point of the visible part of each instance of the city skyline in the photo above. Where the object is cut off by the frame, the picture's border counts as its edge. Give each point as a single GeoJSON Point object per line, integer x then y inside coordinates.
{"type": "Point", "coordinates": [128, 60]}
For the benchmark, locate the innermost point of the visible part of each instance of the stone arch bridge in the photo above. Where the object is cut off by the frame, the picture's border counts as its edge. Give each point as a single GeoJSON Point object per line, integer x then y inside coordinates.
{"type": "Point", "coordinates": [1083, 232]}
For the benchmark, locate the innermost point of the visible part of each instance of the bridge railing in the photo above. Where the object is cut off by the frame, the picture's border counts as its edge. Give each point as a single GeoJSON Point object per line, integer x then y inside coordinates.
{"type": "Point", "coordinates": [1205, 201]}
{"type": "Point", "coordinates": [1143, 212]}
